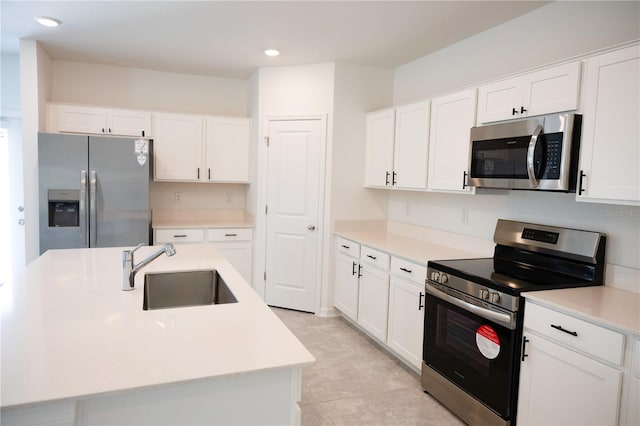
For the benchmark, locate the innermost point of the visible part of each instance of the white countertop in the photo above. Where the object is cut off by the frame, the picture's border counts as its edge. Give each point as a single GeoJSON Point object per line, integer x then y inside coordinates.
{"type": "Point", "coordinates": [619, 309]}
{"type": "Point", "coordinates": [418, 251]}
{"type": "Point", "coordinates": [68, 330]}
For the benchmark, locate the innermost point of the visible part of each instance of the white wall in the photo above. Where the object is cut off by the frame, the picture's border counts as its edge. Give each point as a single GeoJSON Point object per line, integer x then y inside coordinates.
{"type": "Point", "coordinates": [554, 32]}
{"type": "Point", "coordinates": [35, 90]}
{"type": "Point", "coordinates": [558, 31]}
{"type": "Point", "coordinates": [10, 86]}
{"type": "Point", "coordinates": [205, 196]}
{"type": "Point", "coordinates": [78, 82]}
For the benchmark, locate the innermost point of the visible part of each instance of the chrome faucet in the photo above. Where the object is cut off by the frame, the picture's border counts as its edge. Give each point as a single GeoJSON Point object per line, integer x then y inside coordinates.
{"type": "Point", "coordinates": [129, 269]}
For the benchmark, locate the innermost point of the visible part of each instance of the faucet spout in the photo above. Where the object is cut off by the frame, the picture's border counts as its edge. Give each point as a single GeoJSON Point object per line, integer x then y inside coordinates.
{"type": "Point", "coordinates": [129, 268]}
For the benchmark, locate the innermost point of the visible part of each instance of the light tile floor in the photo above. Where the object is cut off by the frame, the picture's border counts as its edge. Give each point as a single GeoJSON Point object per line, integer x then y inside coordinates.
{"type": "Point", "coordinates": [354, 381]}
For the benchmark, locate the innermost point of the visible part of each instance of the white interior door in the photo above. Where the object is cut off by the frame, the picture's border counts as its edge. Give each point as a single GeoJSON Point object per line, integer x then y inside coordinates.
{"type": "Point", "coordinates": [294, 197]}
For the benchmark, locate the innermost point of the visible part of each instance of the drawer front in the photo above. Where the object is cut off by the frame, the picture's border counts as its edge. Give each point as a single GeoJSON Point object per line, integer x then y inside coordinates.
{"type": "Point", "coordinates": [348, 247]}
{"type": "Point", "coordinates": [407, 270]}
{"type": "Point", "coordinates": [374, 257]}
{"type": "Point", "coordinates": [230, 234]}
{"type": "Point", "coordinates": [577, 333]}
{"type": "Point", "coordinates": [178, 236]}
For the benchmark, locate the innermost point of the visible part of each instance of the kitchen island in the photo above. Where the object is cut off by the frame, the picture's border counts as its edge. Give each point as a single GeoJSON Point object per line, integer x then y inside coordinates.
{"type": "Point", "coordinates": [76, 349]}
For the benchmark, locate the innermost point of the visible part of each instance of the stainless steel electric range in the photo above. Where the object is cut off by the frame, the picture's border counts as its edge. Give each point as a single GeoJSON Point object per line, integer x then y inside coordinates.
{"type": "Point", "coordinates": [474, 314]}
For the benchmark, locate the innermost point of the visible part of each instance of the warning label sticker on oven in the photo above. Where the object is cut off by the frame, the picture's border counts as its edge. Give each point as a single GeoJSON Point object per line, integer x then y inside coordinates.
{"type": "Point", "coordinates": [488, 341]}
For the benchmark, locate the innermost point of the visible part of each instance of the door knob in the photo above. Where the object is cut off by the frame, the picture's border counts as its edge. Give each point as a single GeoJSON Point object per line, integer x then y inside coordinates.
{"type": "Point", "coordinates": [20, 221]}
{"type": "Point", "coordinates": [311, 227]}
{"type": "Point", "coordinates": [21, 208]}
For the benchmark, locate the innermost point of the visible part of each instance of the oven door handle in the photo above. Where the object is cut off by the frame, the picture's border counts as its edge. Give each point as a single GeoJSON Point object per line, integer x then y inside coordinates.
{"type": "Point", "coordinates": [498, 317]}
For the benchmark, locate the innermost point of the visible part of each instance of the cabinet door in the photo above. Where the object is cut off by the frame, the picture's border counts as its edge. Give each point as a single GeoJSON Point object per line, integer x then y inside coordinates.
{"type": "Point", "coordinates": [79, 119]}
{"type": "Point", "coordinates": [346, 285]}
{"type": "Point", "coordinates": [373, 301]}
{"type": "Point", "coordinates": [609, 150]}
{"type": "Point", "coordinates": [561, 387]}
{"type": "Point", "coordinates": [239, 254]}
{"type": "Point", "coordinates": [379, 160]}
{"type": "Point", "coordinates": [452, 117]}
{"type": "Point", "coordinates": [497, 101]}
{"type": "Point", "coordinates": [177, 146]}
{"type": "Point", "coordinates": [552, 90]}
{"type": "Point", "coordinates": [411, 146]}
{"type": "Point", "coordinates": [128, 123]}
{"type": "Point", "coordinates": [406, 320]}
{"type": "Point", "coordinates": [227, 149]}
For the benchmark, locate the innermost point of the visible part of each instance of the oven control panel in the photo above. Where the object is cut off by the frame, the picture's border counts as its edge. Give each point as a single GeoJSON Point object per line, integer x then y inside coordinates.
{"type": "Point", "coordinates": [474, 289]}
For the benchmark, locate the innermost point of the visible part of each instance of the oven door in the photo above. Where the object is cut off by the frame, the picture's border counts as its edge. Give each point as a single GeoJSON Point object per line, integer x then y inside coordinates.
{"type": "Point", "coordinates": [472, 346]}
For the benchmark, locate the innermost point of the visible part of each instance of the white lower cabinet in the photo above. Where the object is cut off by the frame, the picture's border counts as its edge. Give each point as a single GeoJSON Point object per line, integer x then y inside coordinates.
{"type": "Point", "coordinates": [347, 277]}
{"type": "Point", "coordinates": [562, 380]}
{"type": "Point", "coordinates": [235, 244]}
{"type": "Point", "coordinates": [406, 310]}
{"type": "Point", "coordinates": [373, 297]}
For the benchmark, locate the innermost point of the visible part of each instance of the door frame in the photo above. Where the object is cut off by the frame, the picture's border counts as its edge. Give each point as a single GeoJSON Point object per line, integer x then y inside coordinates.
{"type": "Point", "coordinates": [260, 241]}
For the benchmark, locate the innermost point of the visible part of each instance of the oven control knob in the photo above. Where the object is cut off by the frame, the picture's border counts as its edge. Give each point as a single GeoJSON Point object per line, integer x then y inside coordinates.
{"type": "Point", "coordinates": [444, 278]}
{"type": "Point", "coordinates": [484, 294]}
{"type": "Point", "coordinates": [495, 298]}
{"type": "Point", "coordinates": [435, 276]}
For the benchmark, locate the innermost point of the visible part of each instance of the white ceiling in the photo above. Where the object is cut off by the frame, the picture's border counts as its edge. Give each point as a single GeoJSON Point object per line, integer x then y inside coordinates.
{"type": "Point", "coordinates": [227, 38]}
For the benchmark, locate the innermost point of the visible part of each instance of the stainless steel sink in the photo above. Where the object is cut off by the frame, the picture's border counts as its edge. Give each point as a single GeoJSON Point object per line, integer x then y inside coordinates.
{"type": "Point", "coordinates": [190, 288]}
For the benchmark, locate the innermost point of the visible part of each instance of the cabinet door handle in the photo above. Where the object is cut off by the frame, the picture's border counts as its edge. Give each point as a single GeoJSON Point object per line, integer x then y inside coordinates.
{"type": "Point", "coordinates": [109, 129]}
{"type": "Point", "coordinates": [230, 235]}
{"type": "Point", "coordinates": [464, 179]}
{"type": "Point", "coordinates": [564, 330]}
{"type": "Point", "coordinates": [580, 189]}
{"type": "Point", "coordinates": [347, 247]}
{"type": "Point", "coordinates": [359, 271]}
{"type": "Point", "coordinates": [180, 236]}
{"type": "Point", "coordinates": [371, 257]}
{"type": "Point", "coordinates": [522, 110]}
{"type": "Point", "coordinates": [209, 173]}
{"type": "Point", "coordinates": [386, 179]}
{"type": "Point", "coordinates": [353, 268]}
{"type": "Point", "coordinates": [524, 345]}
{"type": "Point", "coordinates": [514, 111]}
{"type": "Point", "coordinates": [420, 305]}
{"type": "Point", "coordinates": [103, 130]}
{"type": "Point", "coordinates": [198, 172]}
{"type": "Point", "coordinates": [393, 178]}
{"type": "Point", "coordinates": [408, 271]}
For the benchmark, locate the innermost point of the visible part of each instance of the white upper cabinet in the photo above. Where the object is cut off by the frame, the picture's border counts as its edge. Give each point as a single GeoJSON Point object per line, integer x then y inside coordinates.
{"type": "Point", "coordinates": [94, 120]}
{"type": "Point", "coordinates": [411, 146]}
{"type": "Point", "coordinates": [610, 146]}
{"type": "Point", "coordinates": [193, 148]}
{"type": "Point", "coordinates": [546, 91]}
{"type": "Point", "coordinates": [398, 147]}
{"type": "Point", "coordinates": [227, 149]}
{"type": "Point", "coordinates": [452, 117]}
{"type": "Point", "coordinates": [177, 147]}
{"type": "Point", "coordinates": [380, 137]}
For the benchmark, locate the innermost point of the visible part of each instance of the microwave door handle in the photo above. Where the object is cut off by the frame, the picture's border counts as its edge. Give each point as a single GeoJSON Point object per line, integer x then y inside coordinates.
{"type": "Point", "coordinates": [531, 171]}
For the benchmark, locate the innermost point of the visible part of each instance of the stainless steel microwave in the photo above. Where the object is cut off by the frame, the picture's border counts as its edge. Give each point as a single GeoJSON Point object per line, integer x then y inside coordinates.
{"type": "Point", "coordinates": [540, 153]}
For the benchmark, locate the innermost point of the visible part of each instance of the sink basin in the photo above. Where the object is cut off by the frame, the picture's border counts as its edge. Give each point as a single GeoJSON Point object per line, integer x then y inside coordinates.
{"type": "Point", "coordinates": [189, 288]}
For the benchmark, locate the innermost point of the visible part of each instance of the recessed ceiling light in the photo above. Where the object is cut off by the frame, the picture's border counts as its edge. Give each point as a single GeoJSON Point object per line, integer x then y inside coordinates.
{"type": "Point", "coordinates": [271, 52]}
{"type": "Point", "coordinates": [48, 21]}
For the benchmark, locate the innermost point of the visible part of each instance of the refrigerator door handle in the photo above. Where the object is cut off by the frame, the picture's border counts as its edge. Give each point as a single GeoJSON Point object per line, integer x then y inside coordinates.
{"type": "Point", "coordinates": [84, 233]}
{"type": "Point", "coordinates": [93, 219]}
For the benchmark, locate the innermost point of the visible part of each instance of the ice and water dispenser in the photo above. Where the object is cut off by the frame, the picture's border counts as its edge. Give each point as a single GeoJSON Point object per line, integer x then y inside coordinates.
{"type": "Point", "coordinates": [64, 207]}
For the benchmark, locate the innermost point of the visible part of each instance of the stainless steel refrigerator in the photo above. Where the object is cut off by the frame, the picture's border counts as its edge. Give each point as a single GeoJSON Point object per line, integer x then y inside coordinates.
{"type": "Point", "coordinates": [94, 191]}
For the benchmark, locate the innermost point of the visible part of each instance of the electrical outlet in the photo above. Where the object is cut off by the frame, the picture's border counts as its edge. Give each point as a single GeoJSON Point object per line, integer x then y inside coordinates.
{"type": "Point", "coordinates": [177, 197]}
{"type": "Point", "coordinates": [229, 197]}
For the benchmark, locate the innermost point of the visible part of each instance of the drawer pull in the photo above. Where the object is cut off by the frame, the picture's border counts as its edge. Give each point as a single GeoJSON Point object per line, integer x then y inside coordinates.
{"type": "Point", "coordinates": [559, 327]}
{"type": "Point", "coordinates": [180, 236]}
{"type": "Point", "coordinates": [408, 271]}
{"type": "Point", "coordinates": [371, 257]}
{"type": "Point", "coordinates": [347, 247]}
{"type": "Point", "coordinates": [230, 235]}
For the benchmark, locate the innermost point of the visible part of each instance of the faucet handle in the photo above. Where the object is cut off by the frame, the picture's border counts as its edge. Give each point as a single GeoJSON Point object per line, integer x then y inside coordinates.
{"type": "Point", "coordinates": [137, 247]}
